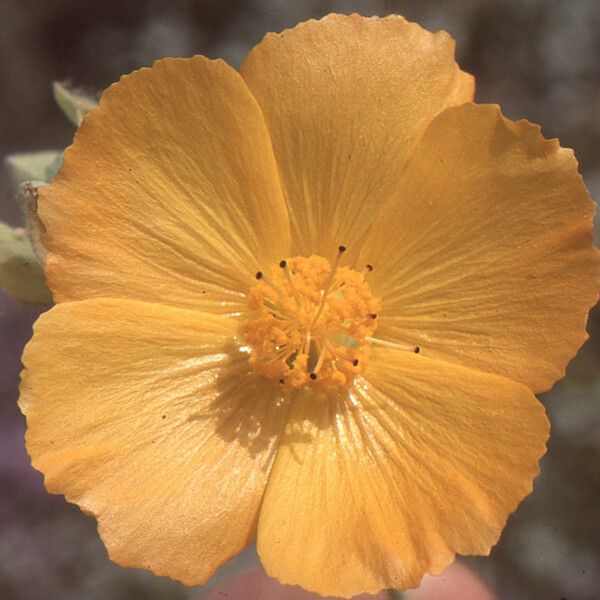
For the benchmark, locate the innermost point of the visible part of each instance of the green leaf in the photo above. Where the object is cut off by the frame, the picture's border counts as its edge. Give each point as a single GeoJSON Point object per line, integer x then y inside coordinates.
{"type": "Point", "coordinates": [74, 103]}
{"type": "Point", "coordinates": [33, 166]}
{"type": "Point", "coordinates": [21, 275]}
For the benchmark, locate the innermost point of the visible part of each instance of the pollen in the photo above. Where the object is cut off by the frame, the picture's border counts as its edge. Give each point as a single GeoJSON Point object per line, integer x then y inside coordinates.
{"type": "Point", "coordinates": [310, 323]}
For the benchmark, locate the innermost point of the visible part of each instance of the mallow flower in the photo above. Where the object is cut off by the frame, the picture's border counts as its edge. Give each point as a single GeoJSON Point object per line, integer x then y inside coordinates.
{"type": "Point", "coordinates": [308, 303]}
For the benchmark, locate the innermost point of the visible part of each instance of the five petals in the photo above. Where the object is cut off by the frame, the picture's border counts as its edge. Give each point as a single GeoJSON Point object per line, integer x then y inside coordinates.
{"type": "Point", "coordinates": [187, 180]}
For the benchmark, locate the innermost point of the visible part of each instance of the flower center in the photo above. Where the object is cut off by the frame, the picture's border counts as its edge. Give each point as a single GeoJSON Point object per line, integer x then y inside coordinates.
{"type": "Point", "coordinates": [310, 323]}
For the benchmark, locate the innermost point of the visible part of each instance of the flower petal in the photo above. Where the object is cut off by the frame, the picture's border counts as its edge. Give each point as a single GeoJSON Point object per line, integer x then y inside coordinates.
{"type": "Point", "coordinates": [145, 417]}
{"type": "Point", "coordinates": [484, 255]}
{"type": "Point", "coordinates": [169, 193]}
{"type": "Point", "coordinates": [346, 99]}
{"type": "Point", "coordinates": [376, 489]}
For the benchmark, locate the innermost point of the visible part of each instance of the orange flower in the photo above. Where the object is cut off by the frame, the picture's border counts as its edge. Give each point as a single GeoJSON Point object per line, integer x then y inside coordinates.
{"type": "Point", "coordinates": [217, 368]}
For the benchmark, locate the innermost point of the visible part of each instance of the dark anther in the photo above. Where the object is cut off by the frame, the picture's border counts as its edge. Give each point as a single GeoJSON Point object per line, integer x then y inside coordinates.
{"type": "Point", "coordinates": [373, 315]}
{"type": "Point", "coordinates": [283, 264]}
{"type": "Point", "coordinates": [417, 349]}
{"type": "Point", "coordinates": [369, 268]}
{"type": "Point", "coordinates": [282, 381]}
{"type": "Point", "coordinates": [342, 248]}
{"type": "Point", "coordinates": [355, 362]}
{"type": "Point", "coordinates": [259, 275]}
{"type": "Point", "coordinates": [313, 376]}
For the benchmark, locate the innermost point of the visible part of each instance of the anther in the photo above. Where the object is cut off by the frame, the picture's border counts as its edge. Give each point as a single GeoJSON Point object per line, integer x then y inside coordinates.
{"type": "Point", "coordinates": [282, 381]}
{"type": "Point", "coordinates": [313, 376]}
{"type": "Point", "coordinates": [373, 316]}
{"type": "Point", "coordinates": [342, 249]}
{"type": "Point", "coordinates": [417, 349]}
{"type": "Point", "coordinates": [355, 362]}
{"type": "Point", "coordinates": [259, 275]}
{"type": "Point", "coordinates": [283, 264]}
{"type": "Point", "coordinates": [369, 268]}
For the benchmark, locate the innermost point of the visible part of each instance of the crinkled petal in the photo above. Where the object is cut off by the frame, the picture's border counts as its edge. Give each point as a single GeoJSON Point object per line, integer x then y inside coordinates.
{"type": "Point", "coordinates": [484, 255]}
{"type": "Point", "coordinates": [169, 193]}
{"type": "Point", "coordinates": [145, 416]}
{"type": "Point", "coordinates": [375, 489]}
{"type": "Point", "coordinates": [346, 99]}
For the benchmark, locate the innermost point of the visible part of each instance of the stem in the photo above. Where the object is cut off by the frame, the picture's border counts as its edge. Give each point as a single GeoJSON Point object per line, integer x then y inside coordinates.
{"type": "Point", "coordinates": [395, 595]}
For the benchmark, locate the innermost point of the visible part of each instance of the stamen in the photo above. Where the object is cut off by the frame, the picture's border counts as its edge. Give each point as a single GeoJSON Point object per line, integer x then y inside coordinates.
{"type": "Point", "coordinates": [272, 285]}
{"type": "Point", "coordinates": [395, 345]}
{"type": "Point", "coordinates": [334, 268]}
{"type": "Point", "coordinates": [318, 338]}
{"type": "Point", "coordinates": [349, 322]}
{"type": "Point", "coordinates": [330, 280]}
{"type": "Point", "coordinates": [283, 264]}
{"type": "Point", "coordinates": [276, 311]}
{"type": "Point", "coordinates": [306, 345]}
{"type": "Point", "coordinates": [262, 277]}
{"type": "Point", "coordinates": [319, 361]}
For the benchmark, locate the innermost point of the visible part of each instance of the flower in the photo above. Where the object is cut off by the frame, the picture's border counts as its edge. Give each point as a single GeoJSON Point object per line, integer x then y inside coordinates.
{"type": "Point", "coordinates": [245, 266]}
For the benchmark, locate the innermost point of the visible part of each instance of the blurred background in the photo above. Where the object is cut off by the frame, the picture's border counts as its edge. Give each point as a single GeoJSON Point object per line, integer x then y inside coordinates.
{"type": "Point", "coordinates": [539, 59]}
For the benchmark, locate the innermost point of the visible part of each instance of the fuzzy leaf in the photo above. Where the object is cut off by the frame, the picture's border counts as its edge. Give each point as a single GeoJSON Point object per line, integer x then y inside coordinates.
{"type": "Point", "coordinates": [21, 275]}
{"type": "Point", "coordinates": [33, 166]}
{"type": "Point", "coordinates": [73, 102]}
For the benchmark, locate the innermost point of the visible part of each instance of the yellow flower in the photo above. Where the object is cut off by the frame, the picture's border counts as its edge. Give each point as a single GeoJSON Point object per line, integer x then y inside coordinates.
{"type": "Point", "coordinates": [244, 266]}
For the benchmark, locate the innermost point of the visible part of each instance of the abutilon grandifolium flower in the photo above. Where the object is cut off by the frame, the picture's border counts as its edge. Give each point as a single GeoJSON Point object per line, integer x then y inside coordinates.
{"type": "Point", "coordinates": [307, 303]}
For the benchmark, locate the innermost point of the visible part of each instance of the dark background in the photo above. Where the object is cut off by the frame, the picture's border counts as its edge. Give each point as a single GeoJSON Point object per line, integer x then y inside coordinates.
{"type": "Point", "coordinates": [539, 59]}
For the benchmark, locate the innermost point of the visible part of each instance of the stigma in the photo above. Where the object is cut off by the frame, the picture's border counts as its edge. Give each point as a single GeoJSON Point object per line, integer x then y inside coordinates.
{"type": "Point", "coordinates": [310, 322]}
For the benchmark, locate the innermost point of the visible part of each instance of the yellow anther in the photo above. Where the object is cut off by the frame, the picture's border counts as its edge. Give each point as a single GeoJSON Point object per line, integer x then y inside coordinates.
{"type": "Point", "coordinates": [309, 323]}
